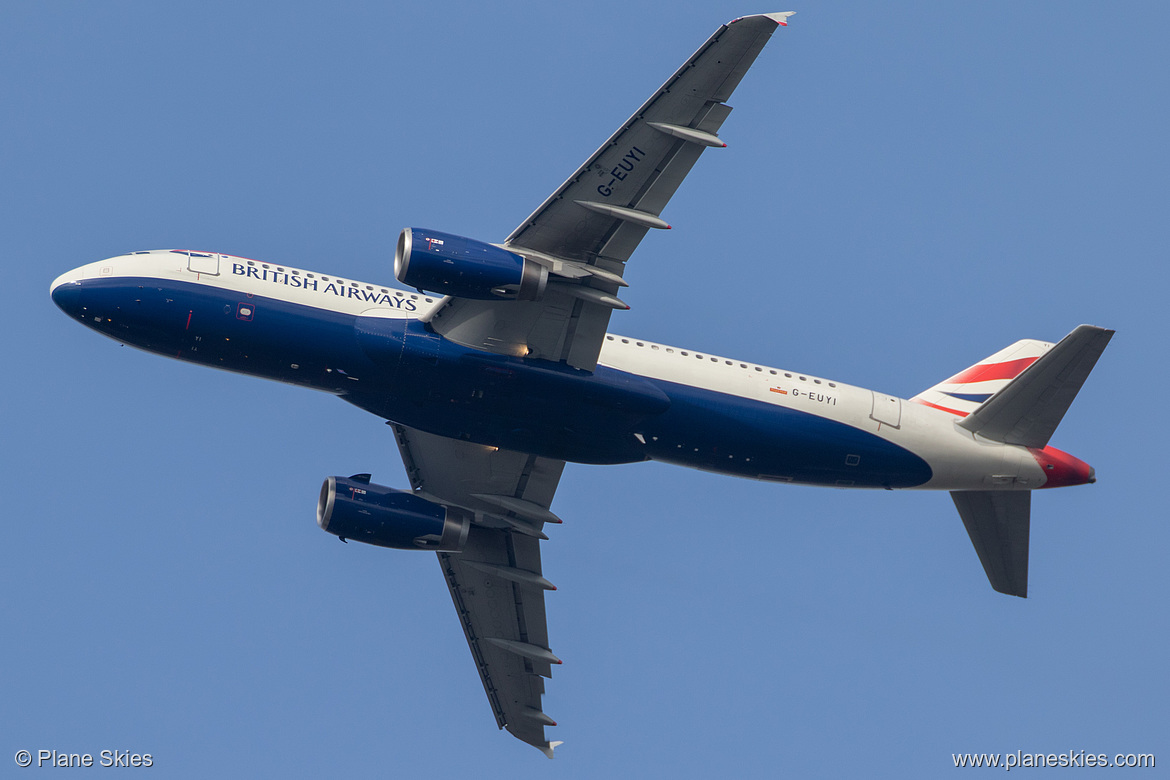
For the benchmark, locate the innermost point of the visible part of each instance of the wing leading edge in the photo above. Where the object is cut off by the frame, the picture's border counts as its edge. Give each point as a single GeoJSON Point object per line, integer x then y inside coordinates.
{"type": "Point", "coordinates": [587, 229]}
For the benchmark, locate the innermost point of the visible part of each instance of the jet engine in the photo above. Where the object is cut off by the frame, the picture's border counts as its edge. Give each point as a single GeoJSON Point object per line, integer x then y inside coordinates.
{"type": "Point", "coordinates": [355, 509]}
{"type": "Point", "coordinates": [446, 264]}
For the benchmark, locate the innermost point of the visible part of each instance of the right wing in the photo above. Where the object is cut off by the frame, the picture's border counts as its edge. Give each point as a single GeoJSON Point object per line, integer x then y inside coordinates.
{"type": "Point", "coordinates": [496, 582]}
{"type": "Point", "coordinates": [588, 228]}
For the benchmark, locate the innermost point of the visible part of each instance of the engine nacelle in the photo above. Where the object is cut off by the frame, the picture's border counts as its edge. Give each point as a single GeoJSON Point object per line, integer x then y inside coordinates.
{"type": "Point", "coordinates": [446, 264]}
{"type": "Point", "coordinates": [352, 508]}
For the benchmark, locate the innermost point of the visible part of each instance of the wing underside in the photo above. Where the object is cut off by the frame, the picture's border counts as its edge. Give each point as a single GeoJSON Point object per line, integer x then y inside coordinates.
{"type": "Point", "coordinates": [496, 582]}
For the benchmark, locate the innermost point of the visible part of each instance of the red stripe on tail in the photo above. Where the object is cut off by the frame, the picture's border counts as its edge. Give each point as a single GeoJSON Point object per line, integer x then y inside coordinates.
{"type": "Point", "coordinates": [989, 371]}
{"type": "Point", "coordinates": [940, 408]}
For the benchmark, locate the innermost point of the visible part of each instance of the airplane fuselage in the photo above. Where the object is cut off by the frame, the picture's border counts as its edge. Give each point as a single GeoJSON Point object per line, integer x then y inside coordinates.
{"type": "Point", "coordinates": [370, 345]}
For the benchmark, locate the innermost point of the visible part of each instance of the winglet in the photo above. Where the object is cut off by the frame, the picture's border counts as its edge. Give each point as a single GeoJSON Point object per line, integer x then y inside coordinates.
{"type": "Point", "coordinates": [548, 747]}
{"type": "Point", "coordinates": [780, 18]}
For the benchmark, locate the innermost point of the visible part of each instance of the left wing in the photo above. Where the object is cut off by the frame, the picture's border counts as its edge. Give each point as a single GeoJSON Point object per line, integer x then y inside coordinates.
{"type": "Point", "coordinates": [496, 581]}
{"type": "Point", "coordinates": [587, 229]}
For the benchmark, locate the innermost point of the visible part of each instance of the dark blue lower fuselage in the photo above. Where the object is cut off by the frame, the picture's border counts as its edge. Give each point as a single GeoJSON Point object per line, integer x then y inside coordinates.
{"type": "Point", "coordinates": [399, 370]}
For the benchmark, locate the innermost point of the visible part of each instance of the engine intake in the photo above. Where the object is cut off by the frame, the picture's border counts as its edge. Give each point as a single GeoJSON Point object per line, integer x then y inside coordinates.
{"type": "Point", "coordinates": [447, 264]}
{"type": "Point", "coordinates": [353, 508]}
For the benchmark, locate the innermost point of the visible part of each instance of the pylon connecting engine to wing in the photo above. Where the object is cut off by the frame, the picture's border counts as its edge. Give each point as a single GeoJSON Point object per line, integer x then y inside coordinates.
{"type": "Point", "coordinates": [447, 264]}
{"type": "Point", "coordinates": [354, 508]}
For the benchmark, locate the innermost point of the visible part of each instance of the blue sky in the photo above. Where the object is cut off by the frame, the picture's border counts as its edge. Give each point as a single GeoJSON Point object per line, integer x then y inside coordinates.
{"type": "Point", "coordinates": [907, 188]}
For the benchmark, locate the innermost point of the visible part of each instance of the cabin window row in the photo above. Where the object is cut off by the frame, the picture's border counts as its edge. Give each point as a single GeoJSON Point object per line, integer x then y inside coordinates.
{"type": "Point", "coordinates": [699, 356]}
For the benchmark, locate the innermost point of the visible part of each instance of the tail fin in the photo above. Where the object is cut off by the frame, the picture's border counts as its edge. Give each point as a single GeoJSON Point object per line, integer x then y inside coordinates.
{"type": "Point", "coordinates": [967, 390]}
{"type": "Point", "coordinates": [1017, 396]}
{"type": "Point", "coordinates": [1029, 408]}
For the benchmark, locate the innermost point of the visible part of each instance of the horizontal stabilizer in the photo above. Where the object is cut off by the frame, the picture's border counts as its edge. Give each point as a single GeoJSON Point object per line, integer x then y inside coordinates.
{"type": "Point", "coordinates": [1028, 409]}
{"type": "Point", "coordinates": [999, 523]}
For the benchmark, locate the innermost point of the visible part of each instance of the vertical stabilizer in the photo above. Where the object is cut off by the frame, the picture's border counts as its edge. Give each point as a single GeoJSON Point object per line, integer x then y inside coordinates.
{"type": "Point", "coordinates": [966, 391]}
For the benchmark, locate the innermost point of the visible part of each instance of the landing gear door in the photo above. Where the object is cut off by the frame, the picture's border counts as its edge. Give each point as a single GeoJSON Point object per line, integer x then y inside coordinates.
{"type": "Point", "coordinates": [203, 263]}
{"type": "Point", "coordinates": [887, 410]}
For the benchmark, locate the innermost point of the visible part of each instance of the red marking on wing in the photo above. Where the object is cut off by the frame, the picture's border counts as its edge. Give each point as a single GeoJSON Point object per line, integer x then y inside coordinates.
{"type": "Point", "coordinates": [988, 371]}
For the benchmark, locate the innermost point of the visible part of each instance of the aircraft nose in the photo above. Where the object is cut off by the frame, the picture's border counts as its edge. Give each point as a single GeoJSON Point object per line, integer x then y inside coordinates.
{"type": "Point", "coordinates": [66, 293]}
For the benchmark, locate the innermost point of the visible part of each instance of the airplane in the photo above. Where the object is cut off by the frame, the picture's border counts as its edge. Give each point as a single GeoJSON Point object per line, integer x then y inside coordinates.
{"type": "Point", "coordinates": [499, 369]}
